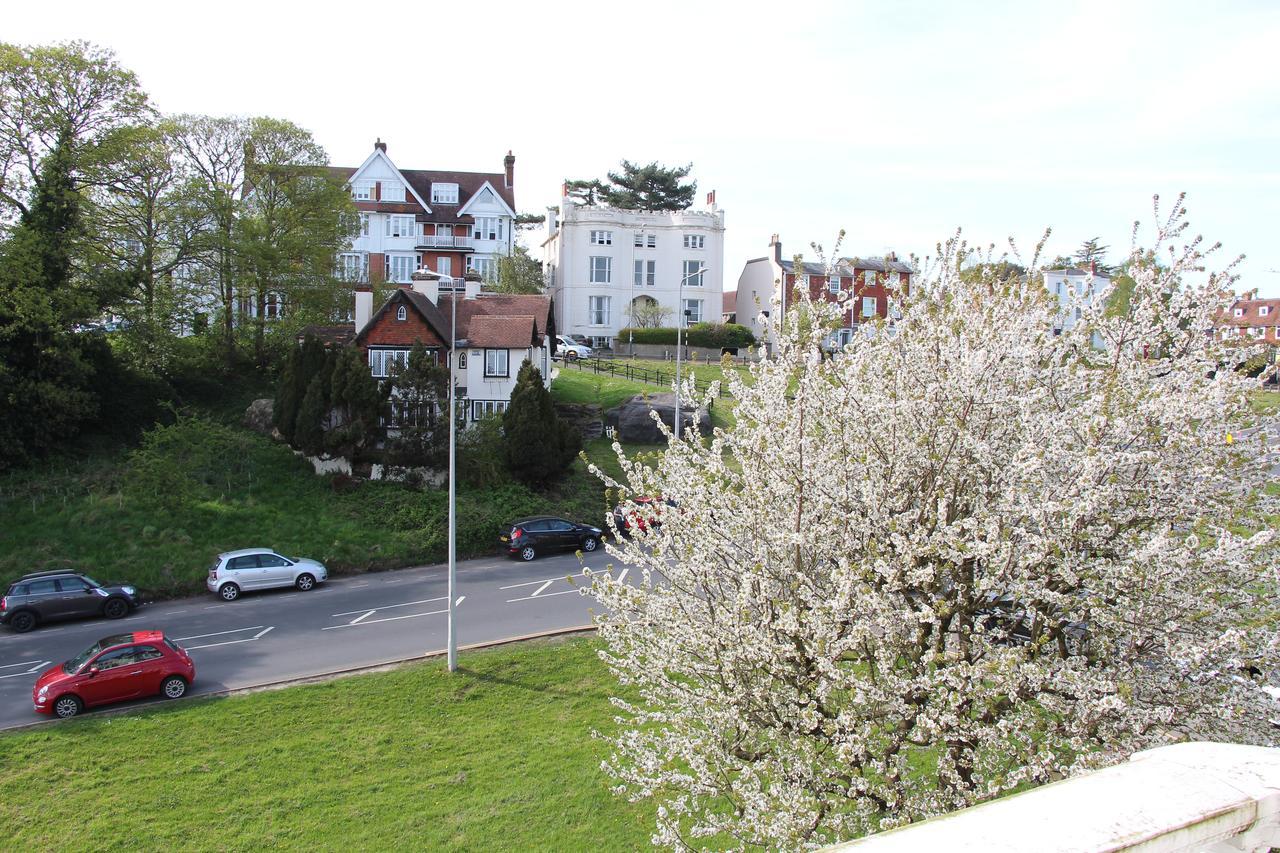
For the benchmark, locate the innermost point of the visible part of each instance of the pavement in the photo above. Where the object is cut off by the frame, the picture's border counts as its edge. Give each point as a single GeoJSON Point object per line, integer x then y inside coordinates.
{"type": "Point", "coordinates": [345, 623]}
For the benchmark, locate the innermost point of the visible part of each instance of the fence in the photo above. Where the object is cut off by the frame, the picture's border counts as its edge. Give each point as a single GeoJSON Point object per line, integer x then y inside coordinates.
{"type": "Point", "coordinates": [638, 373]}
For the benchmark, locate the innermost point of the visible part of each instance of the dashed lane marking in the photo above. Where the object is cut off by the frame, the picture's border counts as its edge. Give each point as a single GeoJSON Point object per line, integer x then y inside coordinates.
{"type": "Point", "coordinates": [358, 623]}
{"type": "Point", "coordinates": [257, 636]}
{"type": "Point", "coordinates": [35, 667]}
{"type": "Point", "coordinates": [389, 606]}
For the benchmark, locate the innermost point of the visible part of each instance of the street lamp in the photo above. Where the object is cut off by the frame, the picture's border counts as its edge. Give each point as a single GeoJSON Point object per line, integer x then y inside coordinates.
{"type": "Point", "coordinates": [682, 318]}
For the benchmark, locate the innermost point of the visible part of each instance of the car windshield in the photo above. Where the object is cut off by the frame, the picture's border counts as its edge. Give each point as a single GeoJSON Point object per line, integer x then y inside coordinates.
{"type": "Point", "coordinates": [79, 660]}
{"type": "Point", "coordinates": [90, 581]}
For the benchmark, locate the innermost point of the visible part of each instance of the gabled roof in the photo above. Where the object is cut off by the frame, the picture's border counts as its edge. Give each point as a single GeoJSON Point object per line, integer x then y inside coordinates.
{"type": "Point", "coordinates": [501, 305]}
{"type": "Point", "coordinates": [849, 266]}
{"type": "Point", "coordinates": [1253, 316]}
{"type": "Point", "coordinates": [418, 302]}
{"type": "Point", "coordinates": [729, 302]}
{"type": "Point", "coordinates": [419, 182]}
{"type": "Point", "coordinates": [330, 336]}
{"type": "Point", "coordinates": [462, 211]}
{"type": "Point", "coordinates": [491, 331]}
{"type": "Point", "coordinates": [381, 154]}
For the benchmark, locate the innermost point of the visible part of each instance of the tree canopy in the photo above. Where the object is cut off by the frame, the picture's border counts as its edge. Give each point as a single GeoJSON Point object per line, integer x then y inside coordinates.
{"type": "Point", "coordinates": [648, 187]}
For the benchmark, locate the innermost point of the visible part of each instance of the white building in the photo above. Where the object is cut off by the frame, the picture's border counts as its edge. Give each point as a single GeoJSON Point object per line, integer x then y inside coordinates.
{"type": "Point", "coordinates": [601, 260]}
{"type": "Point", "coordinates": [1085, 285]}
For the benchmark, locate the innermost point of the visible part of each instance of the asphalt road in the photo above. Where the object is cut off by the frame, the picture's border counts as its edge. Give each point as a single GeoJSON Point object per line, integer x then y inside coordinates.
{"type": "Point", "coordinates": [347, 622]}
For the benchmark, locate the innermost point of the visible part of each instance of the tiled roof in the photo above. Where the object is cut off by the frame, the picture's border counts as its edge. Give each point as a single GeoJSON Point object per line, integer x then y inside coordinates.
{"type": "Point", "coordinates": [331, 336]}
{"type": "Point", "coordinates": [847, 266]}
{"type": "Point", "coordinates": [505, 305]}
{"type": "Point", "coordinates": [508, 332]}
{"type": "Point", "coordinates": [729, 302]}
{"type": "Point", "coordinates": [429, 312]}
{"type": "Point", "coordinates": [469, 183]}
{"type": "Point", "coordinates": [1253, 315]}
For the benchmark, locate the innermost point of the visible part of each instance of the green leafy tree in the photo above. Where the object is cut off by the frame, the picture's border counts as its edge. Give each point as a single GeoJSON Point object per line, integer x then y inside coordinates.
{"type": "Point", "coordinates": [529, 220]}
{"type": "Point", "coordinates": [519, 272]}
{"type": "Point", "coordinates": [539, 446]}
{"type": "Point", "coordinates": [420, 396]}
{"type": "Point", "coordinates": [649, 188]}
{"type": "Point", "coordinates": [356, 404]}
{"type": "Point", "coordinates": [587, 192]}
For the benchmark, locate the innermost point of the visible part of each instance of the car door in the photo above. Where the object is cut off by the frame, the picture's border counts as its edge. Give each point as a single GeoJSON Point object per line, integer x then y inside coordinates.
{"type": "Point", "coordinates": [245, 572]}
{"type": "Point", "coordinates": [44, 598]}
{"type": "Point", "coordinates": [149, 663]}
{"type": "Point", "coordinates": [115, 680]}
{"type": "Point", "coordinates": [77, 598]}
{"type": "Point", "coordinates": [276, 570]}
{"type": "Point", "coordinates": [562, 534]}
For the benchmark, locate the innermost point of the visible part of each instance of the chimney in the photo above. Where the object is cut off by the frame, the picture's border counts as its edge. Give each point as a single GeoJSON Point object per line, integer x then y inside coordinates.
{"type": "Point", "coordinates": [1093, 267]}
{"type": "Point", "coordinates": [471, 289]}
{"type": "Point", "coordinates": [551, 220]}
{"type": "Point", "coordinates": [711, 199]}
{"type": "Point", "coordinates": [380, 145]}
{"type": "Point", "coordinates": [509, 163]}
{"type": "Point", "coordinates": [776, 245]}
{"type": "Point", "coordinates": [364, 305]}
{"type": "Point", "coordinates": [427, 283]}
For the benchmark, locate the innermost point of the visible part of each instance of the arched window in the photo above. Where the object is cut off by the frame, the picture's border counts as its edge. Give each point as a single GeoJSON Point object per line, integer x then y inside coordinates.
{"type": "Point", "coordinates": [401, 313]}
{"type": "Point", "coordinates": [462, 360]}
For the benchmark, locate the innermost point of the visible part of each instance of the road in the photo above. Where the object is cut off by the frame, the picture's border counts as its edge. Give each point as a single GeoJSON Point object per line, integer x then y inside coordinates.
{"type": "Point", "coordinates": [348, 622]}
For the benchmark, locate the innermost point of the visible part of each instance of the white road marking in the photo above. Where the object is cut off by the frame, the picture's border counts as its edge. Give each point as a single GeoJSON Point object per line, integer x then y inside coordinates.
{"type": "Point", "coordinates": [387, 606]}
{"type": "Point", "coordinates": [176, 612]}
{"type": "Point", "coordinates": [26, 672]}
{"type": "Point", "coordinates": [461, 599]}
{"type": "Point", "coordinates": [360, 619]}
{"type": "Point", "coordinates": [387, 619]}
{"type": "Point", "coordinates": [10, 665]}
{"type": "Point", "coordinates": [256, 636]}
{"type": "Point", "coordinates": [218, 633]}
{"type": "Point", "coordinates": [622, 577]}
{"type": "Point", "coordinates": [544, 595]}
{"type": "Point", "coordinates": [531, 583]}
{"type": "Point", "coordinates": [541, 588]}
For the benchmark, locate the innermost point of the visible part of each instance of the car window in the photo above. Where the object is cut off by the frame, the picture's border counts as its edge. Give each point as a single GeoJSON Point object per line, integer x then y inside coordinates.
{"type": "Point", "coordinates": [18, 589]}
{"type": "Point", "coordinates": [249, 562]}
{"type": "Point", "coordinates": [42, 588]}
{"type": "Point", "coordinates": [72, 585]}
{"type": "Point", "coordinates": [171, 644]}
{"type": "Point", "coordinates": [535, 526]}
{"type": "Point", "coordinates": [147, 653]}
{"type": "Point", "coordinates": [115, 658]}
{"type": "Point", "coordinates": [271, 561]}
{"type": "Point", "coordinates": [559, 526]}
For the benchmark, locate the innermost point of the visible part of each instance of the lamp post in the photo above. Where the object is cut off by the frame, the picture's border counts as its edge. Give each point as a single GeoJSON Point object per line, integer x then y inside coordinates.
{"type": "Point", "coordinates": [682, 317]}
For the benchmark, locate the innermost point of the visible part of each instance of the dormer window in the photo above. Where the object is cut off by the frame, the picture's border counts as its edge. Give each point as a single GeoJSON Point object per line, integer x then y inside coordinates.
{"type": "Point", "coordinates": [1264, 310]}
{"type": "Point", "coordinates": [444, 193]}
{"type": "Point", "coordinates": [391, 191]}
{"type": "Point", "coordinates": [402, 313]}
{"type": "Point", "coordinates": [362, 190]}
{"type": "Point", "coordinates": [1239, 312]}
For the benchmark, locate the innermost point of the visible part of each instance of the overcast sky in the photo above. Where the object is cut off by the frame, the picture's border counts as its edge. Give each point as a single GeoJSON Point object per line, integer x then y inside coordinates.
{"type": "Point", "coordinates": [897, 121]}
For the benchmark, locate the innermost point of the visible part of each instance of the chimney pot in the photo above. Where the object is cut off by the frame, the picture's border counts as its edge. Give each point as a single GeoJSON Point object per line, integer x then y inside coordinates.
{"type": "Point", "coordinates": [509, 165]}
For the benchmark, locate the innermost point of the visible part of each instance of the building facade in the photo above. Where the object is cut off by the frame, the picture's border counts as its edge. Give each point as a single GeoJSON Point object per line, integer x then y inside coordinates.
{"type": "Point", "coordinates": [871, 283]}
{"type": "Point", "coordinates": [1252, 320]}
{"type": "Point", "coordinates": [1074, 290]}
{"type": "Point", "coordinates": [449, 222]}
{"type": "Point", "coordinates": [601, 261]}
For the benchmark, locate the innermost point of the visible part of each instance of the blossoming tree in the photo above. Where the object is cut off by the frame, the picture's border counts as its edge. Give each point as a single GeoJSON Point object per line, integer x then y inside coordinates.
{"type": "Point", "coordinates": [960, 554]}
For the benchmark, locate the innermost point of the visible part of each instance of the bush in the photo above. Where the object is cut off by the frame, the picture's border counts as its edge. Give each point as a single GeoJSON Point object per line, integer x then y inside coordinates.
{"type": "Point", "coordinates": [706, 335]}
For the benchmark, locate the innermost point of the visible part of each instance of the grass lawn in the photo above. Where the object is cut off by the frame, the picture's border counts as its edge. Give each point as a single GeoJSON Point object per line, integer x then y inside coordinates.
{"type": "Point", "coordinates": [498, 756]}
{"type": "Point", "coordinates": [572, 385]}
{"type": "Point", "coordinates": [1265, 402]}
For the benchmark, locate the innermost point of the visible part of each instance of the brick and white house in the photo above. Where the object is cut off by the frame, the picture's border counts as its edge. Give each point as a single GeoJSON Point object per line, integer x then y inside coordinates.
{"type": "Point", "coordinates": [496, 334]}
{"type": "Point", "coordinates": [1252, 320]}
{"type": "Point", "coordinates": [872, 283]}
{"type": "Point", "coordinates": [449, 222]}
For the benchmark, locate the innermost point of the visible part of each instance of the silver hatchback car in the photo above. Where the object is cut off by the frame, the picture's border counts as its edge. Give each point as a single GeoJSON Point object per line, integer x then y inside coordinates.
{"type": "Point", "coordinates": [261, 568]}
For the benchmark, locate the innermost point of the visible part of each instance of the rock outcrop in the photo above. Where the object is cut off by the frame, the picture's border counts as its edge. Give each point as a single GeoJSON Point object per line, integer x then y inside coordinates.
{"type": "Point", "coordinates": [635, 425]}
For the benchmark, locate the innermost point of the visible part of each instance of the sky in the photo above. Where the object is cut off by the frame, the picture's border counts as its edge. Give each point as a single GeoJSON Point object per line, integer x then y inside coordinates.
{"type": "Point", "coordinates": [897, 121]}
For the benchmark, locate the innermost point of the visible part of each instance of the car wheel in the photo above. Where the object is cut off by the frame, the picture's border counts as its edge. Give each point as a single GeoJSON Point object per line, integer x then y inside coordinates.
{"type": "Point", "coordinates": [589, 544]}
{"type": "Point", "coordinates": [229, 592]}
{"type": "Point", "coordinates": [22, 622]}
{"type": "Point", "coordinates": [571, 356]}
{"type": "Point", "coordinates": [305, 581]}
{"type": "Point", "coordinates": [174, 687]}
{"type": "Point", "coordinates": [527, 553]}
{"type": "Point", "coordinates": [67, 706]}
{"type": "Point", "coordinates": [115, 608]}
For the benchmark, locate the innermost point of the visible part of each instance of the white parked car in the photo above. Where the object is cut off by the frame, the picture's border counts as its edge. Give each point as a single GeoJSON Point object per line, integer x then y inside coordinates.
{"type": "Point", "coordinates": [571, 350]}
{"type": "Point", "coordinates": [261, 568]}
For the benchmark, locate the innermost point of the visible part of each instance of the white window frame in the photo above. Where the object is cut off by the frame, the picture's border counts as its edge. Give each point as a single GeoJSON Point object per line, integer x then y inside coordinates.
{"type": "Point", "coordinates": [602, 238]}
{"type": "Point", "coordinates": [1264, 310]}
{"type": "Point", "coordinates": [402, 313]}
{"type": "Point", "coordinates": [444, 266]}
{"type": "Point", "coordinates": [693, 277]}
{"type": "Point", "coordinates": [353, 266]}
{"type": "Point", "coordinates": [487, 228]}
{"type": "Point", "coordinates": [401, 225]}
{"type": "Point", "coordinates": [1258, 331]}
{"type": "Point", "coordinates": [868, 278]}
{"type": "Point", "coordinates": [407, 265]}
{"type": "Point", "coordinates": [363, 190]}
{"type": "Point", "coordinates": [444, 193]}
{"type": "Point", "coordinates": [380, 361]}
{"type": "Point", "coordinates": [868, 306]}
{"type": "Point", "coordinates": [695, 241]}
{"type": "Point", "coordinates": [481, 409]}
{"type": "Point", "coordinates": [1239, 312]}
{"type": "Point", "coordinates": [600, 341]}
{"type": "Point", "coordinates": [600, 269]}
{"type": "Point", "coordinates": [491, 359]}
{"type": "Point", "coordinates": [833, 284]}
{"type": "Point", "coordinates": [646, 272]}
{"type": "Point", "coordinates": [646, 241]}
{"type": "Point", "coordinates": [391, 191]}
{"type": "Point", "coordinates": [486, 267]}
{"type": "Point", "coordinates": [692, 306]}
{"type": "Point", "coordinates": [364, 224]}
{"type": "Point", "coordinates": [598, 309]}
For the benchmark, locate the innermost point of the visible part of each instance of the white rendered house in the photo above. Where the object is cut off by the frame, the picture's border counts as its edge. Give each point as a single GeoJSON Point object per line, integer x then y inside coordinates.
{"type": "Point", "coordinates": [1071, 284]}
{"type": "Point", "coordinates": [601, 260]}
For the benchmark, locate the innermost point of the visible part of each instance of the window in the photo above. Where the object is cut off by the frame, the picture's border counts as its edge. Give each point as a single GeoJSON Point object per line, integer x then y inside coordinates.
{"type": "Point", "coordinates": [354, 266]}
{"type": "Point", "coordinates": [384, 362]}
{"type": "Point", "coordinates": [1078, 317]}
{"type": "Point", "coordinates": [444, 193]}
{"type": "Point", "coordinates": [646, 241]}
{"type": "Point", "coordinates": [401, 226]}
{"type": "Point", "coordinates": [444, 266]}
{"type": "Point", "coordinates": [362, 190]}
{"type": "Point", "coordinates": [42, 588]}
{"type": "Point", "coordinates": [868, 306]}
{"type": "Point", "coordinates": [1258, 331]}
{"type": "Point", "coordinates": [895, 279]}
{"type": "Point", "coordinates": [272, 561]}
{"type": "Point", "coordinates": [72, 585]}
{"type": "Point", "coordinates": [495, 362]}
{"type": "Point", "coordinates": [692, 311]}
{"type": "Point", "coordinates": [144, 653]}
{"type": "Point", "coordinates": [364, 225]}
{"type": "Point", "coordinates": [646, 273]}
{"type": "Point", "coordinates": [693, 271]}
{"type": "Point", "coordinates": [462, 361]}
{"type": "Point", "coordinates": [602, 238]}
{"type": "Point", "coordinates": [601, 270]}
{"type": "Point", "coordinates": [695, 241]}
{"type": "Point", "coordinates": [489, 228]}
{"type": "Point", "coordinates": [1264, 310]}
{"type": "Point", "coordinates": [402, 313]}
{"type": "Point", "coordinates": [601, 342]}
{"type": "Point", "coordinates": [481, 409]}
{"type": "Point", "coordinates": [598, 310]}
{"type": "Point", "coordinates": [392, 192]}
{"type": "Point", "coordinates": [115, 658]}
{"type": "Point", "coordinates": [1057, 289]}
{"type": "Point", "coordinates": [272, 306]}
{"type": "Point", "coordinates": [400, 267]}
{"type": "Point", "coordinates": [869, 278]}
{"type": "Point", "coordinates": [484, 266]}
{"type": "Point", "coordinates": [833, 284]}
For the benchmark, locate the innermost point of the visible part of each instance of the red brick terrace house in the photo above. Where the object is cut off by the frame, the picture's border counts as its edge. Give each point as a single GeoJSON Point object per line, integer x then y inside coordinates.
{"type": "Point", "coordinates": [1252, 319]}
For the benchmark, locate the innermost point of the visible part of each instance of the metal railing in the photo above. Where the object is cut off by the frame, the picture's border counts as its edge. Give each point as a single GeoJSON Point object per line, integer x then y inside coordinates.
{"type": "Point", "coordinates": [441, 241]}
{"type": "Point", "coordinates": [638, 373]}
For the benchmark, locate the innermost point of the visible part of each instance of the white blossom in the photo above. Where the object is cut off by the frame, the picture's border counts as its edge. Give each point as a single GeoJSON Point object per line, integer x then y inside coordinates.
{"type": "Point", "coordinates": [814, 654]}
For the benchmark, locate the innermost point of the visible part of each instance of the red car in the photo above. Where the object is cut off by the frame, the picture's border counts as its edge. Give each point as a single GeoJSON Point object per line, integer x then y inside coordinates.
{"type": "Point", "coordinates": [119, 667]}
{"type": "Point", "coordinates": [626, 514]}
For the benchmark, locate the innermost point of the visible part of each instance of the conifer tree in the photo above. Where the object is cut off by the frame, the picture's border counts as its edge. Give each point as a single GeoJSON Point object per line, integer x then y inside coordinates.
{"type": "Point", "coordinates": [539, 446]}
{"type": "Point", "coordinates": [649, 188]}
{"type": "Point", "coordinates": [301, 365]}
{"type": "Point", "coordinates": [420, 395]}
{"type": "Point", "coordinates": [355, 405]}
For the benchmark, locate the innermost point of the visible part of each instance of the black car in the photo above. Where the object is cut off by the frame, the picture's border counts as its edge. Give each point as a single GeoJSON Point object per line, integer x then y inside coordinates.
{"type": "Point", "coordinates": [539, 534]}
{"type": "Point", "coordinates": [49, 596]}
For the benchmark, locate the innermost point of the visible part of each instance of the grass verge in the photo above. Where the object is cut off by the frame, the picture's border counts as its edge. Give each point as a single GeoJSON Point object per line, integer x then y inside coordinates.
{"type": "Point", "coordinates": [495, 757]}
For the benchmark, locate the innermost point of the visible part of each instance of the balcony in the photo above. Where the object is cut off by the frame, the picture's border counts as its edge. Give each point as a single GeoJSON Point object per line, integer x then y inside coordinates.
{"type": "Point", "coordinates": [437, 241]}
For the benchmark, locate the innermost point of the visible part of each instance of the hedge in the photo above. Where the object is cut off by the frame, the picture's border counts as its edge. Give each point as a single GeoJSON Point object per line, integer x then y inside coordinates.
{"type": "Point", "coordinates": [705, 335]}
